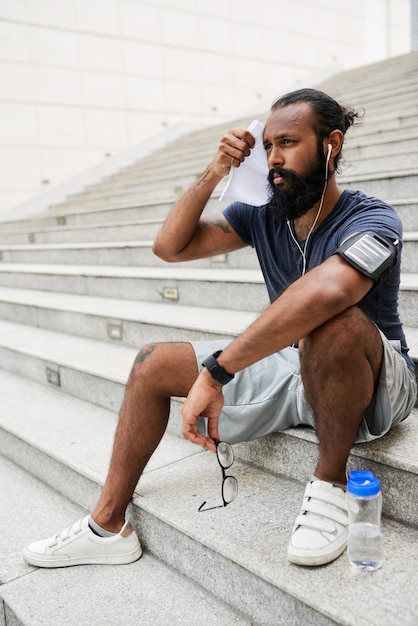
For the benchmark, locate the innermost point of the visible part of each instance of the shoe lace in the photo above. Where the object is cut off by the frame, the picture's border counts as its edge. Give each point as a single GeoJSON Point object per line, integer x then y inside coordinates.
{"type": "Point", "coordinates": [66, 534]}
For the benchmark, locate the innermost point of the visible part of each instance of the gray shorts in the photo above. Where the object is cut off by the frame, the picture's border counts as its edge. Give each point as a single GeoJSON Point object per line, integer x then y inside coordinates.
{"type": "Point", "coordinates": [269, 396]}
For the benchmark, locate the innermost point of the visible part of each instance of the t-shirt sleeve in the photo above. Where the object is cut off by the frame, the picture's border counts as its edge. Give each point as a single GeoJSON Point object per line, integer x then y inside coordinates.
{"type": "Point", "coordinates": [240, 216]}
{"type": "Point", "coordinates": [376, 216]}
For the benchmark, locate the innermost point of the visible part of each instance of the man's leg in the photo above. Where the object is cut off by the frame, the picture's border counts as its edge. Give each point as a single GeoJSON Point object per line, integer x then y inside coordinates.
{"type": "Point", "coordinates": [159, 372]}
{"type": "Point", "coordinates": [340, 368]}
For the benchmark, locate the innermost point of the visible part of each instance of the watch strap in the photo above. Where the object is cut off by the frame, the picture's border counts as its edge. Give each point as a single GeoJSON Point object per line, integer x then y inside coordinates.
{"type": "Point", "coordinates": [217, 372]}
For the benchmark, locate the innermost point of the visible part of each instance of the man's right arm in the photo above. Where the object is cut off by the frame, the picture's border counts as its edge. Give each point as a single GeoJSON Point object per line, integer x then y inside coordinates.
{"type": "Point", "coordinates": [185, 235]}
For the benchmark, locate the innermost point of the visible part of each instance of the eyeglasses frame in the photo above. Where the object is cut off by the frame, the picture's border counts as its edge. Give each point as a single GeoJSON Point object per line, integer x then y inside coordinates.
{"type": "Point", "coordinates": [224, 477]}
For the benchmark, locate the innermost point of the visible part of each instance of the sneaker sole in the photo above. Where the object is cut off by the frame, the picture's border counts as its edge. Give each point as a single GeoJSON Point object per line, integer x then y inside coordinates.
{"type": "Point", "coordinates": [315, 559]}
{"type": "Point", "coordinates": [116, 559]}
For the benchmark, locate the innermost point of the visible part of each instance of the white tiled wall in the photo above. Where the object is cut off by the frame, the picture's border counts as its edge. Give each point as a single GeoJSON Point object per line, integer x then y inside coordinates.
{"type": "Point", "coordinates": [84, 79]}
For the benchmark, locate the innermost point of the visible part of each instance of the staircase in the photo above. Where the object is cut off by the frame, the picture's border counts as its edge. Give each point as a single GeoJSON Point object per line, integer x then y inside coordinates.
{"type": "Point", "coordinates": [80, 292]}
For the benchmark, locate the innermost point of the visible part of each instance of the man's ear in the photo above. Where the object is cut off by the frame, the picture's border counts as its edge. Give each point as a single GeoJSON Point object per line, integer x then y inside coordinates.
{"type": "Point", "coordinates": [335, 139]}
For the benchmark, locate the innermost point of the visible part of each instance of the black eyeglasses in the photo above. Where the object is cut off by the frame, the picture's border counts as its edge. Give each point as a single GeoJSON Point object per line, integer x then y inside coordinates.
{"type": "Point", "coordinates": [225, 456]}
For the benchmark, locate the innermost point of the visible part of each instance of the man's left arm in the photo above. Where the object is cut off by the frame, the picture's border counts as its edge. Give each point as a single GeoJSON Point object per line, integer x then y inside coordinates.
{"type": "Point", "coordinates": [312, 300]}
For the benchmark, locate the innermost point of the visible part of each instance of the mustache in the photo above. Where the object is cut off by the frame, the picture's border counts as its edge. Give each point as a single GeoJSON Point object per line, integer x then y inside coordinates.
{"type": "Point", "coordinates": [283, 173]}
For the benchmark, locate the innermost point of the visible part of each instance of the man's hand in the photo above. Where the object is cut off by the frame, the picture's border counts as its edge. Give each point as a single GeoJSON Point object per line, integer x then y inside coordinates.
{"type": "Point", "coordinates": [233, 148]}
{"type": "Point", "coordinates": [205, 399]}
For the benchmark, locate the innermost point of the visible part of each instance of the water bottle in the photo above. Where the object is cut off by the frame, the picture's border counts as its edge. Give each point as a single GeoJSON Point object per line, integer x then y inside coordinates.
{"type": "Point", "coordinates": [364, 500]}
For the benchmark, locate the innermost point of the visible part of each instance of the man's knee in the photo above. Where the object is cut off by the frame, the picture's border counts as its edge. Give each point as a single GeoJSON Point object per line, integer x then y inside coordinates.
{"type": "Point", "coordinates": [343, 339]}
{"type": "Point", "coordinates": [351, 328]}
{"type": "Point", "coordinates": [145, 353]}
{"type": "Point", "coordinates": [168, 367]}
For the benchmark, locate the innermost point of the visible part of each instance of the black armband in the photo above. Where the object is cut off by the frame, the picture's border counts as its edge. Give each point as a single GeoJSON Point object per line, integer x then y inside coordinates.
{"type": "Point", "coordinates": [371, 254]}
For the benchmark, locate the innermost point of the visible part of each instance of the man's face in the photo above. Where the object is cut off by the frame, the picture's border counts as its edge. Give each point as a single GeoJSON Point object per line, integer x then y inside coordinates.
{"type": "Point", "coordinates": [296, 162]}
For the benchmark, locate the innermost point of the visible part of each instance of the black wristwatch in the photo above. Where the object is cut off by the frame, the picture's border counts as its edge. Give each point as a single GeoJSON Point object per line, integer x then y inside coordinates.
{"type": "Point", "coordinates": [217, 371]}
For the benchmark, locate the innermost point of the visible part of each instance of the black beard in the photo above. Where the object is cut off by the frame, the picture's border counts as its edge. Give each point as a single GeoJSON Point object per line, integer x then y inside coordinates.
{"type": "Point", "coordinates": [300, 193]}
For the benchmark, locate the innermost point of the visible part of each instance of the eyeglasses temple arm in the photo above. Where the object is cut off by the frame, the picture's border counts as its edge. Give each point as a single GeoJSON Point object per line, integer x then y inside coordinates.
{"type": "Point", "coordinates": [202, 510]}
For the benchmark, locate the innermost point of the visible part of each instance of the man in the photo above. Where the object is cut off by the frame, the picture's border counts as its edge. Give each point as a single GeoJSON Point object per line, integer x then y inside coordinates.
{"type": "Point", "coordinates": [329, 352]}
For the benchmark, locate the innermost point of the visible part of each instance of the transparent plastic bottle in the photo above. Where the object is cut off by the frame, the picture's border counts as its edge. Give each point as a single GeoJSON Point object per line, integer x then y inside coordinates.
{"type": "Point", "coordinates": [364, 500]}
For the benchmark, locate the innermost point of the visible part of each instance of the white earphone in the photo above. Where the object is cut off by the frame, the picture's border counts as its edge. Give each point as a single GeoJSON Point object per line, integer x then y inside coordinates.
{"type": "Point", "coordinates": [329, 152]}
{"type": "Point", "coordinates": [304, 250]}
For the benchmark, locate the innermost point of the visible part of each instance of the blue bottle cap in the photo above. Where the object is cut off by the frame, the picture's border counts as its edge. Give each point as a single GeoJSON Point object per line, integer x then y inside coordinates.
{"type": "Point", "coordinates": [363, 483]}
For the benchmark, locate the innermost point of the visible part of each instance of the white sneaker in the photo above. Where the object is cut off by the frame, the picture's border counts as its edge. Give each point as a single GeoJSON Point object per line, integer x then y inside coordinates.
{"type": "Point", "coordinates": [78, 545]}
{"type": "Point", "coordinates": [320, 532]}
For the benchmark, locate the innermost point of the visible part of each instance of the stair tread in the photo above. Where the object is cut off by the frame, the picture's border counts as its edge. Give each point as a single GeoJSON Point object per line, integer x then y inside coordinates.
{"type": "Point", "coordinates": [155, 313]}
{"type": "Point", "coordinates": [114, 271]}
{"type": "Point", "coordinates": [409, 279]}
{"type": "Point", "coordinates": [177, 315]}
{"type": "Point", "coordinates": [111, 361]}
{"type": "Point", "coordinates": [410, 235]}
{"type": "Point", "coordinates": [77, 244]}
{"type": "Point", "coordinates": [251, 534]}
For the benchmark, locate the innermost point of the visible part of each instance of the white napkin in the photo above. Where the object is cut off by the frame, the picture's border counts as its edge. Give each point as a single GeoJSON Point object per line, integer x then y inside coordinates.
{"type": "Point", "coordinates": [248, 182]}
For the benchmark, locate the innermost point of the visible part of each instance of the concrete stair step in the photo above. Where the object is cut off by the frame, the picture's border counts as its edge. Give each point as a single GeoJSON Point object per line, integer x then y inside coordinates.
{"type": "Point", "coordinates": [376, 77]}
{"type": "Point", "coordinates": [373, 103]}
{"type": "Point", "coordinates": [150, 211]}
{"type": "Point", "coordinates": [371, 91]}
{"type": "Point", "coordinates": [177, 180]}
{"type": "Point", "coordinates": [237, 289]}
{"type": "Point", "coordinates": [149, 592]}
{"type": "Point", "coordinates": [381, 128]}
{"type": "Point", "coordinates": [238, 554]}
{"type": "Point", "coordinates": [125, 219]}
{"type": "Point", "coordinates": [408, 299]}
{"type": "Point", "coordinates": [224, 288]}
{"type": "Point", "coordinates": [408, 211]}
{"type": "Point", "coordinates": [144, 198]}
{"type": "Point", "coordinates": [122, 322]}
{"type": "Point", "coordinates": [399, 163]}
{"type": "Point", "coordinates": [383, 184]}
{"type": "Point", "coordinates": [138, 253]}
{"type": "Point", "coordinates": [136, 198]}
{"type": "Point", "coordinates": [117, 231]}
{"type": "Point", "coordinates": [76, 247]}
{"type": "Point", "coordinates": [410, 251]}
{"type": "Point", "coordinates": [383, 147]}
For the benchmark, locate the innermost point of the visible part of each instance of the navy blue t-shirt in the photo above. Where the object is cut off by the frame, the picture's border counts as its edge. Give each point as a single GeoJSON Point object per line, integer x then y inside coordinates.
{"type": "Point", "coordinates": [281, 260]}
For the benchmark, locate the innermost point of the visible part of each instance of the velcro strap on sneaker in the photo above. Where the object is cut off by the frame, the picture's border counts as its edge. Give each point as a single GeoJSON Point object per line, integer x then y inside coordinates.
{"type": "Point", "coordinates": [326, 512]}
{"type": "Point", "coordinates": [315, 523]}
{"type": "Point", "coordinates": [325, 504]}
{"type": "Point", "coordinates": [326, 496]}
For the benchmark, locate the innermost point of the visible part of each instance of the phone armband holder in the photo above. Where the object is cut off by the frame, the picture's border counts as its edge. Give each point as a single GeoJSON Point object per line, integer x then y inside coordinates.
{"type": "Point", "coordinates": [371, 254]}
